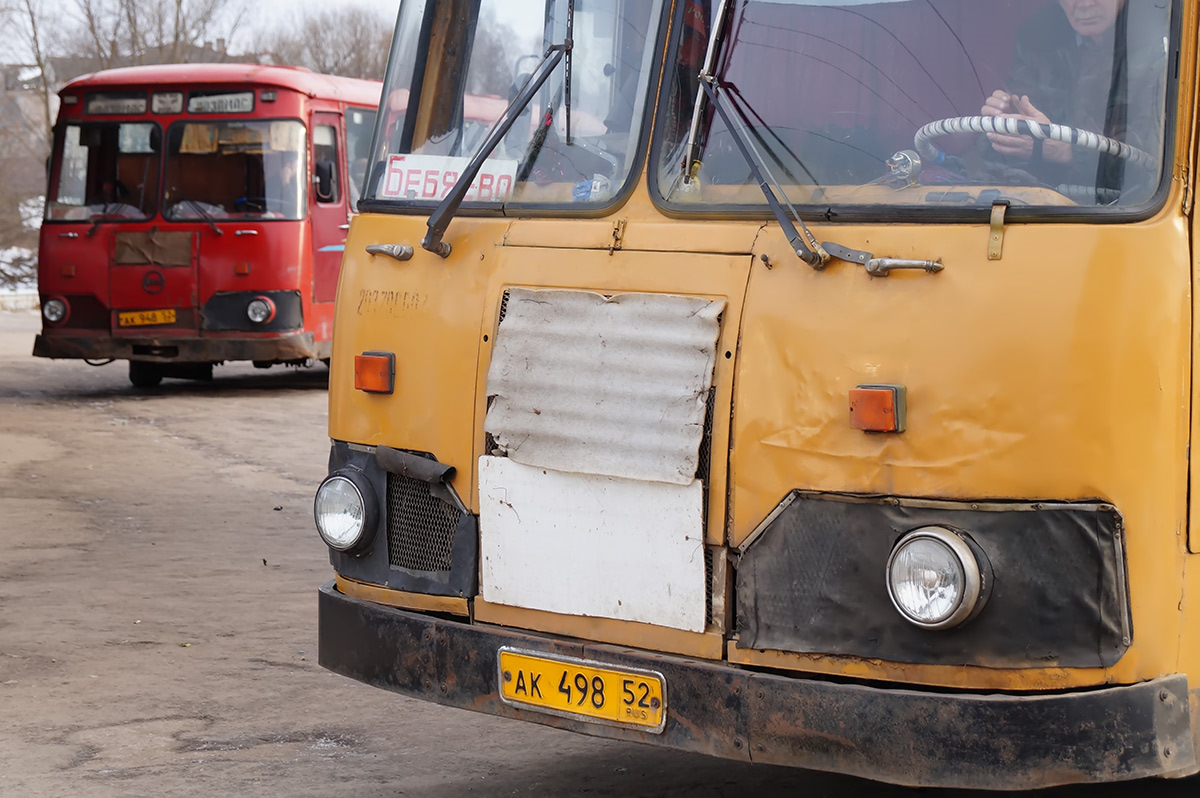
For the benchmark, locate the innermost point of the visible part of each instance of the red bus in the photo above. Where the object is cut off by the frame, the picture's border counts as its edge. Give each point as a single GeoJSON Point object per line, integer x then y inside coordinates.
{"type": "Point", "coordinates": [197, 214]}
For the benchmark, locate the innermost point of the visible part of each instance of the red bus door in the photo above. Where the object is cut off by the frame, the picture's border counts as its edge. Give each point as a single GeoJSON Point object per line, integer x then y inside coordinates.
{"type": "Point", "coordinates": [330, 217]}
{"type": "Point", "coordinates": [152, 282]}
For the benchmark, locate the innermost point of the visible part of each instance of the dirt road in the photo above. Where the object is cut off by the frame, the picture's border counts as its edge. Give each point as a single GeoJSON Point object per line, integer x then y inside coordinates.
{"type": "Point", "coordinates": [158, 575]}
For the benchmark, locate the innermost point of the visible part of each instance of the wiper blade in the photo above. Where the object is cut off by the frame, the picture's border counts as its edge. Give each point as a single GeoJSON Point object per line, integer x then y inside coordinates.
{"type": "Point", "coordinates": [569, 42]}
{"type": "Point", "coordinates": [441, 217]}
{"type": "Point", "coordinates": [807, 248]}
{"type": "Point", "coordinates": [103, 217]}
{"type": "Point", "coordinates": [691, 153]}
{"type": "Point", "coordinates": [200, 210]}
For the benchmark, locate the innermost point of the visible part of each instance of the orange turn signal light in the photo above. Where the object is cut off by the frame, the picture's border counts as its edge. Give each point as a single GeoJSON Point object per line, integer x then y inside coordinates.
{"type": "Point", "coordinates": [878, 408]}
{"type": "Point", "coordinates": [375, 372]}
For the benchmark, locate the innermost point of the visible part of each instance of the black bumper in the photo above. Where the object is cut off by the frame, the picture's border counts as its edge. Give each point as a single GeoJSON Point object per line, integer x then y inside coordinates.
{"type": "Point", "coordinates": [298, 346]}
{"type": "Point", "coordinates": [901, 736]}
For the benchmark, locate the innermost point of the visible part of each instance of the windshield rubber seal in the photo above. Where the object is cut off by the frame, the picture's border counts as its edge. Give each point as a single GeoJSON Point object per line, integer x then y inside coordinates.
{"type": "Point", "coordinates": [823, 213]}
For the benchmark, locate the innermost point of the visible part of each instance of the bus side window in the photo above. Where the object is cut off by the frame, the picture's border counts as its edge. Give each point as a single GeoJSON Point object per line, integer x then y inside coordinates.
{"type": "Point", "coordinates": [325, 163]}
{"type": "Point", "coordinates": [360, 124]}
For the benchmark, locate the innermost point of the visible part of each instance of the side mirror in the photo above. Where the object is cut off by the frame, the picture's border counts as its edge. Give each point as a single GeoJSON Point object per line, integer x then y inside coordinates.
{"type": "Point", "coordinates": [323, 172]}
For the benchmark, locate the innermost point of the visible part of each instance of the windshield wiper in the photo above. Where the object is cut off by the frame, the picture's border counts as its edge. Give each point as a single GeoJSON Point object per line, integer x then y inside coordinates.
{"type": "Point", "coordinates": [691, 153]}
{"type": "Point", "coordinates": [807, 248]}
{"type": "Point", "coordinates": [810, 251]}
{"type": "Point", "coordinates": [103, 217]}
{"type": "Point", "coordinates": [569, 42]}
{"type": "Point", "coordinates": [200, 210]}
{"type": "Point", "coordinates": [440, 219]}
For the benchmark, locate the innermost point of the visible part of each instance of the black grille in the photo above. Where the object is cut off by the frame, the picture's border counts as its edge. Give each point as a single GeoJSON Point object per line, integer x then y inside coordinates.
{"type": "Point", "coordinates": [420, 526]}
{"type": "Point", "coordinates": [503, 308]}
{"type": "Point", "coordinates": [704, 462]}
{"type": "Point", "coordinates": [708, 582]}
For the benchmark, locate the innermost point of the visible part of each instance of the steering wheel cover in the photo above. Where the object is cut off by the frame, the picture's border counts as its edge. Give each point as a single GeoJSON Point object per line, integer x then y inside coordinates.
{"type": "Point", "coordinates": [1083, 139]}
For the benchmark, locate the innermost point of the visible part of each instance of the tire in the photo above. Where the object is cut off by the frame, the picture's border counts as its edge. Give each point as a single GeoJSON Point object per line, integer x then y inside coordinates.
{"type": "Point", "coordinates": [144, 375]}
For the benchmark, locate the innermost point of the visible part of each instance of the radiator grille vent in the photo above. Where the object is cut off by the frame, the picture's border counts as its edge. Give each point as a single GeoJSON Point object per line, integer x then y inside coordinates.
{"type": "Point", "coordinates": [420, 526]}
{"type": "Point", "coordinates": [503, 308]}
{"type": "Point", "coordinates": [704, 462]}
{"type": "Point", "coordinates": [713, 611]}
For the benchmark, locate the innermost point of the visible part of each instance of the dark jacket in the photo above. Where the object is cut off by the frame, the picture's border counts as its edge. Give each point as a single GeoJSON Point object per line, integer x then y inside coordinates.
{"type": "Point", "coordinates": [1113, 87]}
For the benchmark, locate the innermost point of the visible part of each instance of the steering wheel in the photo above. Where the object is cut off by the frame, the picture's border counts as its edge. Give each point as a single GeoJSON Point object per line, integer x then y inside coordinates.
{"type": "Point", "coordinates": [1077, 138]}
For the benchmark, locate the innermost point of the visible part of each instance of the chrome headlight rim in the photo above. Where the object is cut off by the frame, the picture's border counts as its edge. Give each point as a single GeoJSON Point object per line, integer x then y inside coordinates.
{"type": "Point", "coordinates": [366, 495]}
{"type": "Point", "coordinates": [973, 594]}
{"type": "Point", "coordinates": [268, 307]}
{"type": "Point", "coordinates": [56, 302]}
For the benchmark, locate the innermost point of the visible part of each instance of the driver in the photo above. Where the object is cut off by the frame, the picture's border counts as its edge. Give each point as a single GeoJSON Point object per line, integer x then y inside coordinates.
{"type": "Point", "coordinates": [1085, 64]}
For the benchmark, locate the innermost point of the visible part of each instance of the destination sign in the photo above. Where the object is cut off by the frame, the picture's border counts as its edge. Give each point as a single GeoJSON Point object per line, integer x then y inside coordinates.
{"type": "Point", "coordinates": [115, 104]}
{"type": "Point", "coordinates": [241, 102]}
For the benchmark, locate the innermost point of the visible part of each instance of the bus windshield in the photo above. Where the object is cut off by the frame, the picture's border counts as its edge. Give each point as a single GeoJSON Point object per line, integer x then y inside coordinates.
{"type": "Point", "coordinates": [108, 170]}
{"type": "Point", "coordinates": [914, 103]}
{"type": "Point", "coordinates": [222, 169]}
{"type": "Point", "coordinates": [457, 64]}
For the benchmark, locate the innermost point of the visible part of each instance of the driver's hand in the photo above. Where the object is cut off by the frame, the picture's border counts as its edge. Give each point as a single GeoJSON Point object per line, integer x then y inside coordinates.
{"type": "Point", "coordinates": [999, 103]}
{"type": "Point", "coordinates": [1019, 107]}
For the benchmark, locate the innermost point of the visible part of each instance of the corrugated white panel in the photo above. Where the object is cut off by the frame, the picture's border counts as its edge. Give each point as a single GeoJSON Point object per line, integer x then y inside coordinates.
{"type": "Point", "coordinates": [581, 544]}
{"type": "Point", "coordinates": [610, 386]}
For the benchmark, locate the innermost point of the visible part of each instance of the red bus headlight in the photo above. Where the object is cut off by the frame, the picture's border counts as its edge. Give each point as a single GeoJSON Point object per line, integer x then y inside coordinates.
{"type": "Point", "coordinates": [260, 310]}
{"type": "Point", "coordinates": [55, 310]}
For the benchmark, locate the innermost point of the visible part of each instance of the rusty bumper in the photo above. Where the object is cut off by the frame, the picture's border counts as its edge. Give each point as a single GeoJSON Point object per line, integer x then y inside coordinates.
{"type": "Point", "coordinates": [902, 736]}
{"type": "Point", "coordinates": [298, 346]}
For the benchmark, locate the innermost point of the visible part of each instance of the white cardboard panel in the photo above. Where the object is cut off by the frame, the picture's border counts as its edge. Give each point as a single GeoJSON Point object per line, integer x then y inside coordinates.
{"type": "Point", "coordinates": [581, 544]}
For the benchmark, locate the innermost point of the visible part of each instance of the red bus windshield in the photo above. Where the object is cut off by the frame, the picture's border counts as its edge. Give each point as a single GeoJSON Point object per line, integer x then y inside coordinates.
{"type": "Point", "coordinates": [215, 169]}
{"type": "Point", "coordinates": [221, 169]}
{"type": "Point", "coordinates": [109, 170]}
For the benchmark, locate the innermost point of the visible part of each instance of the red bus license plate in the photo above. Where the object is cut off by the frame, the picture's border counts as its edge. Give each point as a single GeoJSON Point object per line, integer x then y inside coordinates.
{"type": "Point", "coordinates": [142, 318]}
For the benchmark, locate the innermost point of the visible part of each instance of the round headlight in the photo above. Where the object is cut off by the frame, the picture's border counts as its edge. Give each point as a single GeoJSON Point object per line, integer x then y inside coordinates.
{"type": "Point", "coordinates": [260, 310]}
{"type": "Point", "coordinates": [344, 510]}
{"type": "Point", "coordinates": [934, 578]}
{"type": "Point", "coordinates": [54, 310]}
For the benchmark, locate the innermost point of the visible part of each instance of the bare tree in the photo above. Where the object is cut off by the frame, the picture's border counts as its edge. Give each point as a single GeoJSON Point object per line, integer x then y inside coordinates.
{"type": "Point", "coordinates": [34, 18]}
{"type": "Point", "coordinates": [23, 150]}
{"type": "Point", "coordinates": [352, 42]}
{"type": "Point", "coordinates": [113, 33]}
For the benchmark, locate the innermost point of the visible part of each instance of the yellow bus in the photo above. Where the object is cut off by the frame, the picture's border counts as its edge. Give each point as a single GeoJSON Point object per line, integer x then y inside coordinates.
{"type": "Point", "coordinates": [804, 382]}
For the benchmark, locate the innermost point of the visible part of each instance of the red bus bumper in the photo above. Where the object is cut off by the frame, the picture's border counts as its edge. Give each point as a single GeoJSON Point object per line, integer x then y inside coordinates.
{"type": "Point", "coordinates": [296, 346]}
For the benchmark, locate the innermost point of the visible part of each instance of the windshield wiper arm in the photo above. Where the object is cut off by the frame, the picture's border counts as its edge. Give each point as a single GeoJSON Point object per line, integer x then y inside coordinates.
{"type": "Point", "coordinates": [810, 251]}
{"type": "Point", "coordinates": [101, 218]}
{"type": "Point", "coordinates": [200, 210]}
{"type": "Point", "coordinates": [440, 219]}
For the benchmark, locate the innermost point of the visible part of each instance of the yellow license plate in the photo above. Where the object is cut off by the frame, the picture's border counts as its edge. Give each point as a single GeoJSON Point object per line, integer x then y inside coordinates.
{"type": "Point", "coordinates": [584, 690]}
{"type": "Point", "coordinates": [141, 318]}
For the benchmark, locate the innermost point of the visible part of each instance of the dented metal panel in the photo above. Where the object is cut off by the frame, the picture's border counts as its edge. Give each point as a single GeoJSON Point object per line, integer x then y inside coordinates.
{"type": "Point", "coordinates": [581, 544]}
{"type": "Point", "coordinates": [613, 386]}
